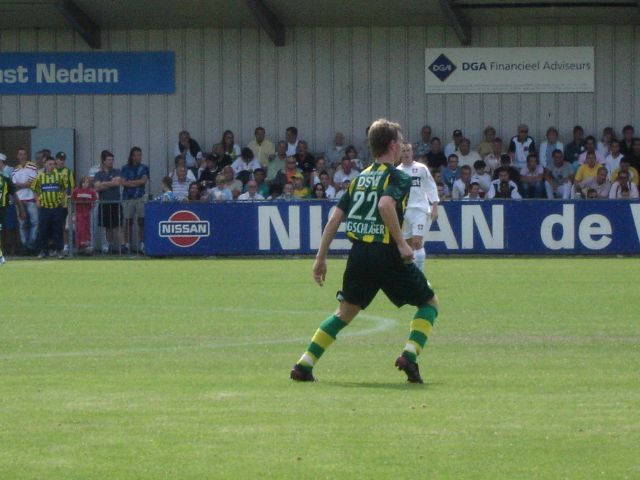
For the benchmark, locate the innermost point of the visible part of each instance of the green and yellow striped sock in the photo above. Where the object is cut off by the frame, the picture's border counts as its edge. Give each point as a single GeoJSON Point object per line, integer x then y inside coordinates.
{"type": "Point", "coordinates": [420, 329]}
{"type": "Point", "coordinates": [322, 339]}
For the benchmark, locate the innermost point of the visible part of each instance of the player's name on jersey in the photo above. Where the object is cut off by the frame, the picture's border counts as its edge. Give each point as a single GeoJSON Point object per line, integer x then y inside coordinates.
{"type": "Point", "coordinates": [365, 228]}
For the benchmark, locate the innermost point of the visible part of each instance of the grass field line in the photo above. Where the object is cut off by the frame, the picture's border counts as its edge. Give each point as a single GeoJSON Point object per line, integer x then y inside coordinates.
{"type": "Point", "coordinates": [381, 324]}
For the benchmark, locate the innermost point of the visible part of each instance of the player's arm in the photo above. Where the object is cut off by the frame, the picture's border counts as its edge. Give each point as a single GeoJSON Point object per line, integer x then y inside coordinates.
{"type": "Point", "coordinates": [329, 233]}
{"type": "Point", "coordinates": [432, 195]}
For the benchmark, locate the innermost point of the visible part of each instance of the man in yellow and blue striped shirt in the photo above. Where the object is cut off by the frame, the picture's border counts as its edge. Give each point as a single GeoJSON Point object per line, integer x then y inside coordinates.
{"type": "Point", "coordinates": [50, 188]}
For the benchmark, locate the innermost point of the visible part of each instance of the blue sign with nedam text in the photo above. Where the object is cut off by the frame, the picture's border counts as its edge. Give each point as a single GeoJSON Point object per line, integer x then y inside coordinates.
{"type": "Point", "coordinates": [87, 73]}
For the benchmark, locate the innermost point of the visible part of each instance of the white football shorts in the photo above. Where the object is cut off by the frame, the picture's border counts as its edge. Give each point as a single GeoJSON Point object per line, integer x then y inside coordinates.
{"type": "Point", "coordinates": [414, 224]}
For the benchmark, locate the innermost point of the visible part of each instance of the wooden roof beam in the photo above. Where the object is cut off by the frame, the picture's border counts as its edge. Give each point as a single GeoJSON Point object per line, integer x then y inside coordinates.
{"type": "Point", "coordinates": [81, 22]}
{"type": "Point", "coordinates": [457, 21]}
{"type": "Point", "coordinates": [268, 21]}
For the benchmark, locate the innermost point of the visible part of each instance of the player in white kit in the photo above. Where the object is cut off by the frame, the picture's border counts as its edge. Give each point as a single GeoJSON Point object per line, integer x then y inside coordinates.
{"type": "Point", "coordinates": [423, 201]}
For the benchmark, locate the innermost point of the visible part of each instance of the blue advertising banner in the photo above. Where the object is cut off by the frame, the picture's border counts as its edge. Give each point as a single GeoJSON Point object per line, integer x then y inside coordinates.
{"type": "Point", "coordinates": [95, 73]}
{"type": "Point", "coordinates": [535, 227]}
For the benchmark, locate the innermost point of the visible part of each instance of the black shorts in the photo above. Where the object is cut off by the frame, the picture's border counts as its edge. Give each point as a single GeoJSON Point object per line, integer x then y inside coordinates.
{"type": "Point", "coordinates": [375, 266]}
{"type": "Point", "coordinates": [3, 216]}
{"type": "Point", "coordinates": [110, 215]}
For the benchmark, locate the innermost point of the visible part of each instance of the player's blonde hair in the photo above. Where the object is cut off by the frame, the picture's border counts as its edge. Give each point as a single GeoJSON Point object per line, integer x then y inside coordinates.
{"type": "Point", "coordinates": [381, 133]}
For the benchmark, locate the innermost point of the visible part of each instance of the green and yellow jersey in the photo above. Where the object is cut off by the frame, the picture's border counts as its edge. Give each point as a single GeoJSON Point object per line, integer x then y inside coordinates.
{"type": "Point", "coordinates": [68, 175]}
{"type": "Point", "coordinates": [360, 202]}
{"type": "Point", "coordinates": [6, 189]}
{"type": "Point", "coordinates": [51, 189]}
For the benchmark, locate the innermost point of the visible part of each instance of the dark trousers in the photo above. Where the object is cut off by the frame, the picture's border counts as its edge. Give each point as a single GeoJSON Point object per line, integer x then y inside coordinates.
{"type": "Point", "coordinates": [51, 228]}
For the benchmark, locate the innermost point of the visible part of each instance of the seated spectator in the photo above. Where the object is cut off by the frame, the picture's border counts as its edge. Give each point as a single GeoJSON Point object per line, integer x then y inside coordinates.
{"type": "Point", "coordinates": [262, 148]}
{"type": "Point", "coordinates": [559, 177]}
{"type": "Point", "coordinates": [598, 184]}
{"type": "Point", "coordinates": [278, 162]}
{"type": "Point", "coordinates": [336, 150]}
{"type": "Point", "coordinates": [612, 161]}
{"type": "Point", "coordinates": [451, 172]}
{"type": "Point", "coordinates": [634, 155]}
{"type": "Point", "coordinates": [493, 159]}
{"type": "Point", "coordinates": [287, 192]}
{"type": "Point", "coordinates": [325, 180]}
{"type": "Point", "coordinates": [233, 183]}
{"type": "Point", "coordinates": [319, 192]}
{"type": "Point", "coordinates": [514, 173]}
{"type": "Point", "coordinates": [246, 162]}
{"type": "Point", "coordinates": [443, 190]}
{"type": "Point", "coordinates": [347, 172]}
{"type": "Point", "coordinates": [435, 158]}
{"type": "Point", "coordinates": [180, 161]}
{"type": "Point", "coordinates": [190, 150]}
{"type": "Point", "coordinates": [259, 177]}
{"type": "Point", "coordinates": [364, 150]}
{"type": "Point", "coordinates": [576, 147]}
{"type": "Point", "coordinates": [590, 147]}
{"type": "Point", "coordinates": [588, 170]}
{"type": "Point", "coordinates": [352, 154]}
{"type": "Point", "coordinates": [466, 156]}
{"type": "Point", "coordinates": [604, 145]}
{"type": "Point", "coordinates": [320, 166]}
{"type": "Point", "coordinates": [623, 187]}
{"type": "Point", "coordinates": [341, 188]}
{"type": "Point", "coordinates": [551, 144]}
{"type": "Point", "coordinates": [304, 159]}
{"type": "Point", "coordinates": [291, 134]}
{"type": "Point", "coordinates": [195, 193]}
{"type": "Point", "coordinates": [223, 158]}
{"type": "Point", "coordinates": [459, 188]}
{"type": "Point", "coordinates": [473, 192]}
{"type": "Point", "coordinates": [532, 178]}
{"type": "Point", "coordinates": [300, 190]}
{"type": "Point", "coordinates": [481, 177]}
{"type": "Point", "coordinates": [503, 187]}
{"type": "Point", "coordinates": [286, 175]}
{"type": "Point", "coordinates": [520, 146]}
{"type": "Point", "coordinates": [423, 146]}
{"type": "Point", "coordinates": [229, 146]}
{"type": "Point", "coordinates": [182, 183]}
{"type": "Point", "coordinates": [221, 192]}
{"type": "Point", "coordinates": [252, 194]}
{"type": "Point", "coordinates": [485, 147]}
{"type": "Point", "coordinates": [628, 133]}
{"type": "Point", "coordinates": [454, 144]}
{"type": "Point", "coordinates": [625, 166]}
{"type": "Point", "coordinates": [167, 195]}
{"type": "Point", "coordinates": [209, 171]}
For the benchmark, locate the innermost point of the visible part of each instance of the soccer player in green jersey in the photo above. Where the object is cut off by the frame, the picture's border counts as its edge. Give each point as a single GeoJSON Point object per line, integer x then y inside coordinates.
{"type": "Point", "coordinates": [380, 258]}
{"type": "Point", "coordinates": [7, 188]}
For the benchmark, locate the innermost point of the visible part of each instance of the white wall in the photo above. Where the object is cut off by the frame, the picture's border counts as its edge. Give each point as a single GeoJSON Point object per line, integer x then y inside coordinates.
{"type": "Point", "coordinates": [324, 79]}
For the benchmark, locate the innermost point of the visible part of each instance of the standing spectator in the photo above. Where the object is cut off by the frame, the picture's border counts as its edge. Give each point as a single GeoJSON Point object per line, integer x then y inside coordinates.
{"type": "Point", "coordinates": [521, 146]}
{"type": "Point", "coordinates": [285, 175]}
{"type": "Point", "coordinates": [621, 184]}
{"type": "Point", "coordinates": [604, 145]}
{"type": "Point", "coordinates": [453, 145]}
{"type": "Point", "coordinates": [335, 152]}
{"type": "Point", "coordinates": [262, 148]}
{"type": "Point", "coordinates": [612, 161]}
{"type": "Point", "coordinates": [325, 180]}
{"type": "Point", "coordinates": [305, 160]}
{"type": "Point", "coordinates": [210, 170]}
{"type": "Point", "coordinates": [459, 188]}
{"type": "Point", "coordinates": [7, 188]}
{"type": "Point", "coordinates": [590, 147]}
{"type": "Point", "coordinates": [5, 170]}
{"type": "Point", "coordinates": [319, 192]}
{"type": "Point", "coordinates": [466, 156]}
{"type": "Point", "coordinates": [278, 162]}
{"type": "Point", "coordinates": [435, 158]}
{"type": "Point", "coordinates": [628, 133]}
{"type": "Point", "coordinates": [347, 172]}
{"type": "Point", "coordinates": [423, 146]}
{"type": "Point", "coordinates": [50, 189]}
{"type": "Point", "coordinates": [221, 192]}
{"type": "Point", "coordinates": [252, 194]}
{"type": "Point", "coordinates": [61, 158]}
{"type": "Point", "coordinates": [291, 134]}
{"type": "Point", "coordinates": [246, 162]}
{"type": "Point", "coordinates": [481, 177]}
{"type": "Point", "coordinates": [300, 190]}
{"type": "Point", "coordinates": [588, 170]}
{"type": "Point", "coordinates": [84, 197]}
{"type": "Point", "coordinates": [167, 195]}
{"type": "Point", "coordinates": [503, 187]}
{"type": "Point", "coordinates": [23, 177]}
{"type": "Point", "coordinates": [598, 184]}
{"type": "Point", "coordinates": [574, 149]}
{"type": "Point", "coordinates": [451, 172]}
{"type": "Point", "coordinates": [190, 150]}
{"type": "Point", "coordinates": [181, 184]}
{"type": "Point", "coordinates": [135, 176]}
{"type": "Point", "coordinates": [634, 155]}
{"type": "Point", "coordinates": [558, 176]}
{"type": "Point", "coordinates": [532, 178]}
{"type": "Point", "coordinates": [107, 183]}
{"type": "Point", "coordinates": [233, 184]}
{"type": "Point", "coordinates": [493, 159]}
{"type": "Point", "coordinates": [485, 147]}
{"type": "Point", "coordinates": [550, 145]}
{"type": "Point", "coordinates": [229, 146]}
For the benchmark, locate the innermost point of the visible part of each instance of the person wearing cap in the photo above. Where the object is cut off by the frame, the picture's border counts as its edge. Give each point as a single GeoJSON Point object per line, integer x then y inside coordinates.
{"type": "Point", "coordinates": [63, 170]}
{"type": "Point", "coordinates": [300, 190]}
{"type": "Point", "coordinates": [453, 145]}
{"type": "Point", "coordinates": [5, 169]}
{"type": "Point", "coordinates": [23, 177]}
{"type": "Point", "coordinates": [262, 148]}
{"type": "Point", "coordinates": [209, 171]}
{"type": "Point", "coordinates": [7, 188]}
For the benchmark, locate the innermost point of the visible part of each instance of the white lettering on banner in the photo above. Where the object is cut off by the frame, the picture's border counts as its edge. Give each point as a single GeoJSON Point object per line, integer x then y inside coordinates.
{"type": "Point", "coordinates": [315, 230]}
{"type": "Point", "coordinates": [50, 73]}
{"type": "Point", "coordinates": [635, 213]}
{"type": "Point", "coordinates": [445, 234]}
{"type": "Point", "coordinates": [595, 226]}
{"type": "Point", "coordinates": [269, 216]}
{"type": "Point", "coordinates": [492, 238]}
{"type": "Point", "coordinates": [13, 75]}
{"type": "Point", "coordinates": [565, 220]}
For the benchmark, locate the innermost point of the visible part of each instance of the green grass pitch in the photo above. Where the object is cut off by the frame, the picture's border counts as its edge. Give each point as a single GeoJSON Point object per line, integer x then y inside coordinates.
{"type": "Point", "coordinates": [178, 369]}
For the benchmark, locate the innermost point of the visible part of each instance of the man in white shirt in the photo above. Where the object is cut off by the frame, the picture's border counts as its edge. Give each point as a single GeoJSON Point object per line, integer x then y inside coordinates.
{"type": "Point", "coordinates": [246, 162]}
{"type": "Point", "coordinates": [459, 189]}
{"type": "Point", "coordinates": [251, 195]}
{"type": "Point", "coordinates": [22, 177]}
{"type": "Point", "coordinates": [466, 156]}
{"type": "Point", "coordinates": [291, 135]}
{"type": "Point", "coordinates": [521, 146]}
{"type": "Point", "coordinates": [335, 152]}
{"type": "Point", "coordinates": [423, 201]}
{"type": "Point", "coordinates": [453, 145]}
{"type": "Point", "coordinates": [180, 185]}
{"type": "Point", "coordinates": [346, 173]}
{"type": "Point", "coordinates": [325, 180]}
{"type": "Point", "coordinates": [612, 161]}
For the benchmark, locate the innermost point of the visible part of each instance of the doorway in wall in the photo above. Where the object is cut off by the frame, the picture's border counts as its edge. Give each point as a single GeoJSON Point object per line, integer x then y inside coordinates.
{"type": "Point", "coordinates": [12, 138]}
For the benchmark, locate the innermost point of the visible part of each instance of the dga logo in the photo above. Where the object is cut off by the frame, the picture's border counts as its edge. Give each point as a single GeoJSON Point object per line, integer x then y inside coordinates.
{"type": "Point", "coordinates": [184, 229]}
{"type": "Point", "coordinates": [442, 67]}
